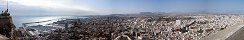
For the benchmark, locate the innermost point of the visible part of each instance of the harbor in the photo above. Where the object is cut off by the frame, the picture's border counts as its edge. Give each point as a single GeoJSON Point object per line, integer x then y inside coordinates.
{"type": "Point", "coordinates": [34, 30]}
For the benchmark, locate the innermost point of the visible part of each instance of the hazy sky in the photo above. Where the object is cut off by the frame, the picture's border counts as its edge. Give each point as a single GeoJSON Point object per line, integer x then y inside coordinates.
{"type": "Point", "coordinates": [89, 7]}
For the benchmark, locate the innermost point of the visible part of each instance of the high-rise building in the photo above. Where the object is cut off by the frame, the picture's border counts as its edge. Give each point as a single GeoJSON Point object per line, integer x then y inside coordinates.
{"type": "Point", "coordinates": [178, 22]}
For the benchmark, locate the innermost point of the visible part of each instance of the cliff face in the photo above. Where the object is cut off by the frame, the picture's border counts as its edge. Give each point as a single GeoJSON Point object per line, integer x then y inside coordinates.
{"type": "Point", "coordinates": [7, 27]}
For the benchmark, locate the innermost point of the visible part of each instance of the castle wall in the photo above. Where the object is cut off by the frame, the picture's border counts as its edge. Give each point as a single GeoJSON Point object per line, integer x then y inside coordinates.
{"type": "Point", "coordinates": [5, 20]}
{"type": "Point", "coordinates": [7, 27]}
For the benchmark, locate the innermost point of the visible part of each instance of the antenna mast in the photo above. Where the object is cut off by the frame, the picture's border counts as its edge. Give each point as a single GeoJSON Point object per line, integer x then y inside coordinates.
{"type": "Point", "coordinates": [7, 6]}
{"type": "Point", "coordinates": [7, 3]}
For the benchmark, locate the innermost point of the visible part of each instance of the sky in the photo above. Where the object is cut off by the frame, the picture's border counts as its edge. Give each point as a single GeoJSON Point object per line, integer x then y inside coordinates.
{"type": "Point", "coordinates": [103, 7]}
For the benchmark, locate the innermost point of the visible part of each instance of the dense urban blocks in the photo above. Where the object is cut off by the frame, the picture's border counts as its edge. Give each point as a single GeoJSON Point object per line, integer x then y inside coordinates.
{"type": "Point", "coordinates": [145, 27]}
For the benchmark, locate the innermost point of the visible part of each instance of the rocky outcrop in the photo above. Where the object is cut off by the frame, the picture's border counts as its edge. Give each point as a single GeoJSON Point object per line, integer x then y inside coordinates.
{"type": "Point", "coordinates": [7, 27]}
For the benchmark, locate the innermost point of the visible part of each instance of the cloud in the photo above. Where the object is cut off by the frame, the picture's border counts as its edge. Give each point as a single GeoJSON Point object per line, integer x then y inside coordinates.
{"type": "Point", "coordinates": [54, 5]}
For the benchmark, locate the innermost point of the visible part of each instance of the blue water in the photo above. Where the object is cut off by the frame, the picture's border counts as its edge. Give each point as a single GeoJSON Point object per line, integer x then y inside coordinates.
{"type": "Point", "coordinates": [18, 20]}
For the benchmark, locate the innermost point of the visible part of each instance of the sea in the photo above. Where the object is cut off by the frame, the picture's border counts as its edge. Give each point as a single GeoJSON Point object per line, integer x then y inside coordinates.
{"type": "Point", "coordinates": [19, 20]}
